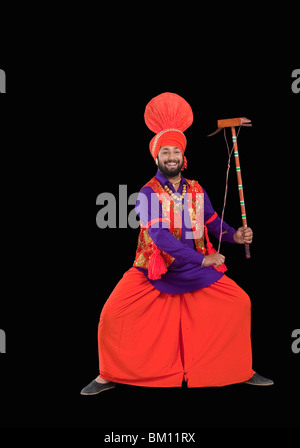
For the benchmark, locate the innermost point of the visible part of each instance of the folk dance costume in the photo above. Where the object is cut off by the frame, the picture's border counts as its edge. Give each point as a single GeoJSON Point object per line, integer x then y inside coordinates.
{"type": "Point", "coordinates": [170, 319]}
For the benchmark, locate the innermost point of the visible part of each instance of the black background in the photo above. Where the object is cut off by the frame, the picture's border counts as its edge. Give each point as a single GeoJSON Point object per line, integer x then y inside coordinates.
{"type": "Point", "coordinates": [72, 127]}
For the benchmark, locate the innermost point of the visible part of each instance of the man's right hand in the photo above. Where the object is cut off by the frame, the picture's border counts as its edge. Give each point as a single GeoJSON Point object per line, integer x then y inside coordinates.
{"type": "Point", "coordinates": [213, 259]}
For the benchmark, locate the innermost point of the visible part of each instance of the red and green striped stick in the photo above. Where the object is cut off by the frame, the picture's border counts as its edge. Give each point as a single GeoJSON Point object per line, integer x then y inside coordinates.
{"type": "Point", "coordinates": [231, 123]}
{"type": "Point", "coordinates": [240, 185]}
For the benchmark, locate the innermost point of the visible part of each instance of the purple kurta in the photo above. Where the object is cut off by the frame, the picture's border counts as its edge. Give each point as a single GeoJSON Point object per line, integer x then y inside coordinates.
{"type": "Point", "coordinates": [185, 273]}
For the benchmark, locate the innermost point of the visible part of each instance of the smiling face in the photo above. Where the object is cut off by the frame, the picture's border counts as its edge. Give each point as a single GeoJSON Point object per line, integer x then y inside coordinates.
{"type": "Point", "coordinates": [170, 161]}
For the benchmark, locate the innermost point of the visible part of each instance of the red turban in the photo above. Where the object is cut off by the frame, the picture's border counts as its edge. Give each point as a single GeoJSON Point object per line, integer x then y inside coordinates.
{"type": "Point", "coordinates": [168, 115]}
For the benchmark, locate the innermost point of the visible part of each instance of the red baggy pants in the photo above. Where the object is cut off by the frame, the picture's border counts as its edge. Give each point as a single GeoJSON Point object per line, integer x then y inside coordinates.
{"type": "Point", "coordinates": [150, 338]}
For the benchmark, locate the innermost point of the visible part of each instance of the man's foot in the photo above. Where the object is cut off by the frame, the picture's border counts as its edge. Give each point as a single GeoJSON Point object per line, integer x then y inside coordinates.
{"type": "Point", "coordinates": [258, 380]}
{"type": "Point", "coordinates": [95, 387]}
{"type": "Point", "coordinates": [101, 380]}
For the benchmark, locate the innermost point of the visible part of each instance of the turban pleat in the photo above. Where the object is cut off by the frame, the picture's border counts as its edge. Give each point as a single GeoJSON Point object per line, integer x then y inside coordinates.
{"type": "Point", "coordinates": [168, 115]}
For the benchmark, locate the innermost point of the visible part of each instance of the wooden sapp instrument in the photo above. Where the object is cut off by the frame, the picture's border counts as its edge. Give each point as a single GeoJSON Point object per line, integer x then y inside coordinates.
{"type": "Point", "coordinates": [232, 123]}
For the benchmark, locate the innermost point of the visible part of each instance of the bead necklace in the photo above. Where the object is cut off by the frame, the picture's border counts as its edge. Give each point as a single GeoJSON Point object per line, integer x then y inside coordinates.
{"type": "Point", "coordinates": [177, 200]}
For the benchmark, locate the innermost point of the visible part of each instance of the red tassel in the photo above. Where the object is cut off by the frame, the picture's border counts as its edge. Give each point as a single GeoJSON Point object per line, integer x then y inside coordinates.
{"type": "Point", "coordinates": [221, 268]}
{"type": "Point", "coordinates": [211, 250]}
{"type": "Point", "coordinates": [184, 166]}
{"type": "Point", "coordinates": [157, 265]}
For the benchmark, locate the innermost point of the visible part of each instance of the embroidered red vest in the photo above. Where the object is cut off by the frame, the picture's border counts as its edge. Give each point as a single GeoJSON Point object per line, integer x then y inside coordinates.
{"type": "Point", "coordinates": [172, 216]}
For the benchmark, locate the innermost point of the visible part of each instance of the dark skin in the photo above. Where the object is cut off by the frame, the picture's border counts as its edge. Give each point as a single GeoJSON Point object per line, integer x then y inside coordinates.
{"type": "Point", "coordinates": [169, 162]}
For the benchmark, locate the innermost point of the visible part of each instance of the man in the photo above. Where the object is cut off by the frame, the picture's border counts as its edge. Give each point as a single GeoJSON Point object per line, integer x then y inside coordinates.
{"type": "Point", "coordinates": [175, 316]}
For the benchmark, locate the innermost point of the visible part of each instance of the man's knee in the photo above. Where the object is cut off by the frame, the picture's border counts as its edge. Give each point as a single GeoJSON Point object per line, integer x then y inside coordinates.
{"type": "Point", "coordinates": [243, 298]}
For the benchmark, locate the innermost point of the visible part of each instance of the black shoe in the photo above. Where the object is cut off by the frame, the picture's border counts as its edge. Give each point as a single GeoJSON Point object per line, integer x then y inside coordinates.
{"type": "Point", "coordinates": [258, 380]}
{"type": "Point", "coordinates": [95, 388]}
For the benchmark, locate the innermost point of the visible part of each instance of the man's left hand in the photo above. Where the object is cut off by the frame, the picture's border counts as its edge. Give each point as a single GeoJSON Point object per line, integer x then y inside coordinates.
{"type": "Point", "coordinates": [243, 235]}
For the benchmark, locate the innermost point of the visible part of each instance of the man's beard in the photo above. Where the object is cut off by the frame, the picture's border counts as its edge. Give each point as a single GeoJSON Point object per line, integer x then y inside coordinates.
{"type": "Point", "coordinates": [169, 172]}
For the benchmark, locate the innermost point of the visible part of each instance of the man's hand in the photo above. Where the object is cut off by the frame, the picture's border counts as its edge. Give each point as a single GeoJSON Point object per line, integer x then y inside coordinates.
{"type": "Point", "coordinates": [216, 259]}
{"type": "Point", "coordinates": [243, 235]}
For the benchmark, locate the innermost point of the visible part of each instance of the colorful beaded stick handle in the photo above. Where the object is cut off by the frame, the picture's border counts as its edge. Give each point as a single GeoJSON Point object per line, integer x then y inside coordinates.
{"type": "Point", "coordinates": [231, 123]}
